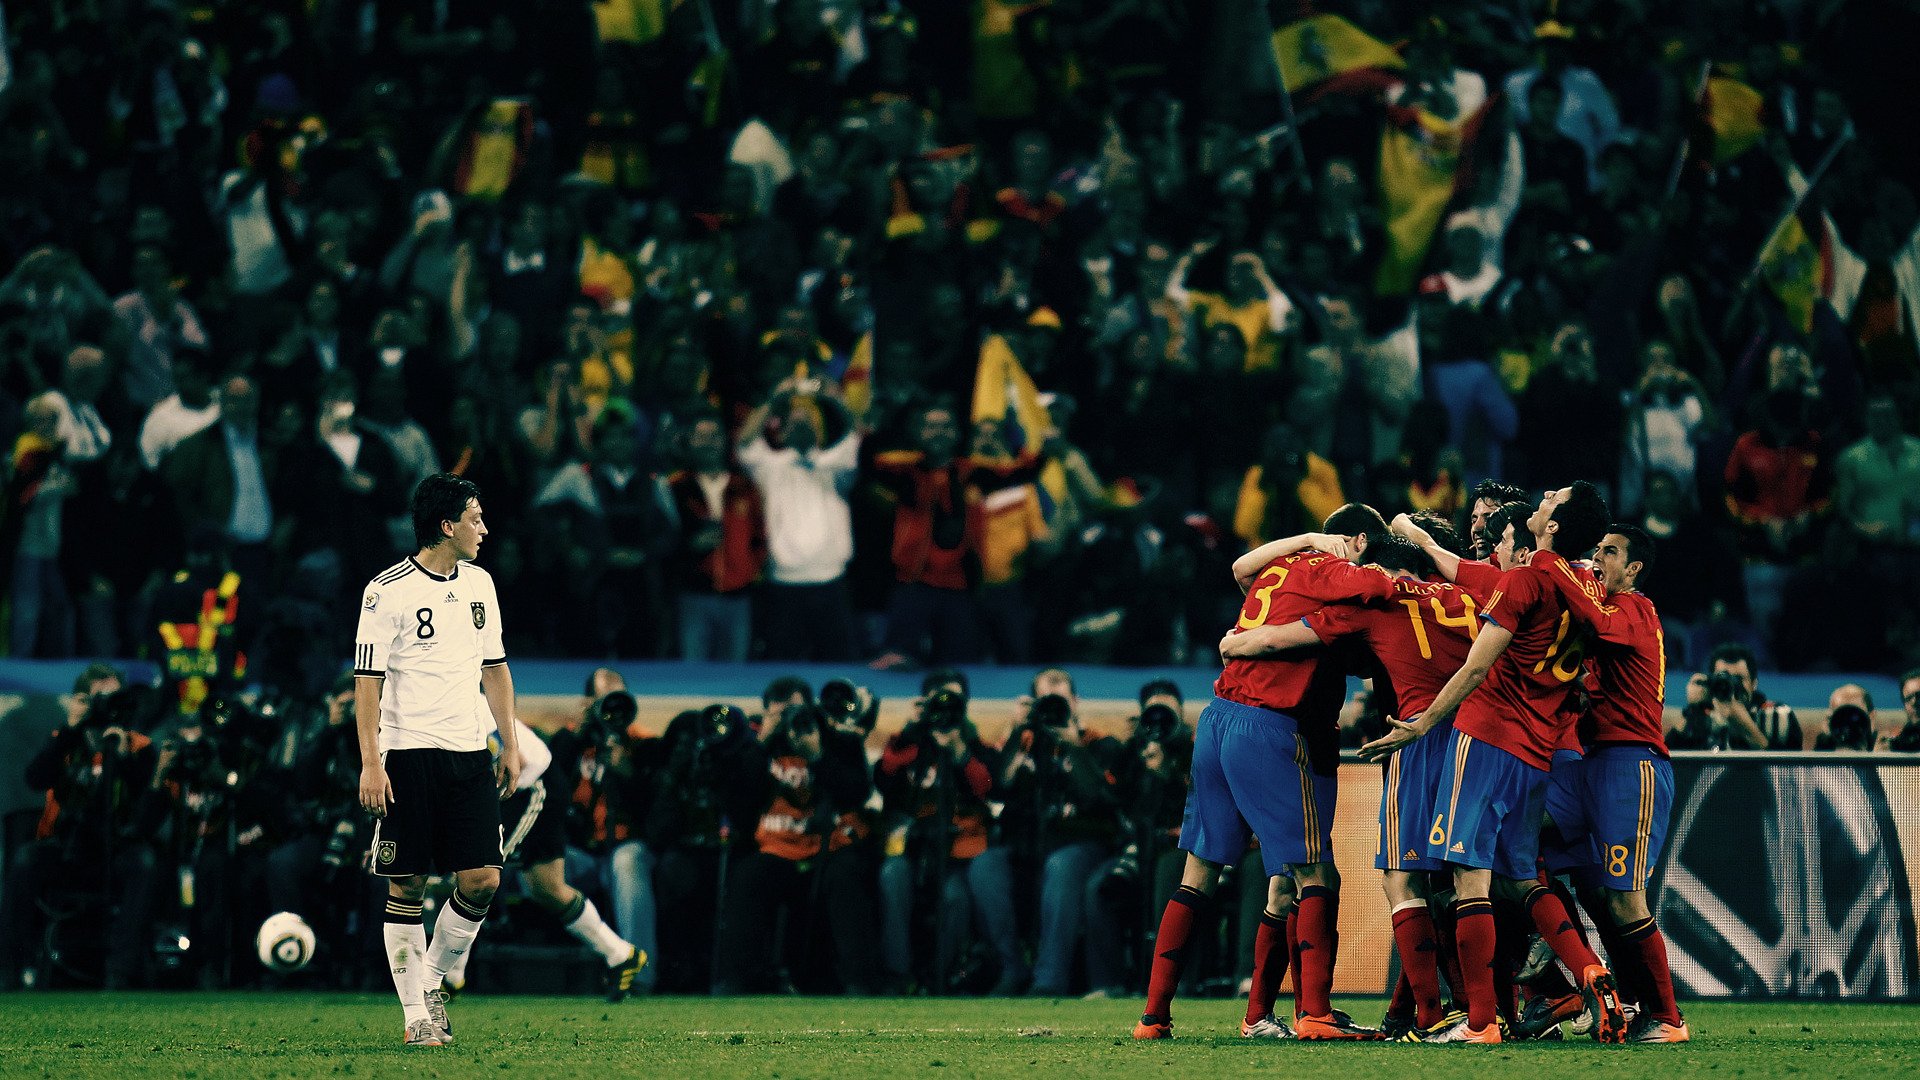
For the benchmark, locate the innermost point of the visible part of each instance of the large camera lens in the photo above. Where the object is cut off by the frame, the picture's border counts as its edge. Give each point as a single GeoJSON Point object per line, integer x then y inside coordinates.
{"type": "Point", "coordinates": [1723, 685]}
{"type": "Point", "coordinates": [839, 697]}
{"type": "Point", "coordinates": [944, 710]}
{"type": "Point", "coordinates": [1051, 711]}
{"type": "Point", "coordinates": [617, 710]}
{"type": "Point", "coordinates": [1158, 723]}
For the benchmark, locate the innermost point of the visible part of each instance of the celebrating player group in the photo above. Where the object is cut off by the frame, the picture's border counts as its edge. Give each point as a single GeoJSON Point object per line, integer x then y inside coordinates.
{"type": "Point", "coordinates": [1524, 677]}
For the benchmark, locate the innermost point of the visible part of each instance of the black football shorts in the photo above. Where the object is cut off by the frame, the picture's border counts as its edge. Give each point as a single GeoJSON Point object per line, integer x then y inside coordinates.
{"type": "Point", "coordinates": [445, 814]}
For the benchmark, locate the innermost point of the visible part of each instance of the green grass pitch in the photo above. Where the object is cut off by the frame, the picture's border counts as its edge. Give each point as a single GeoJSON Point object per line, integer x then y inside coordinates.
{"type": "Point", "coordinates": [261, 1036]}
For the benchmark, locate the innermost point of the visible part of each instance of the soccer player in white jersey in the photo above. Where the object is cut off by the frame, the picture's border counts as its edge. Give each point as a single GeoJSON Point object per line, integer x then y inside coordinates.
{"type": "Point", "coordinates": [430, 680]}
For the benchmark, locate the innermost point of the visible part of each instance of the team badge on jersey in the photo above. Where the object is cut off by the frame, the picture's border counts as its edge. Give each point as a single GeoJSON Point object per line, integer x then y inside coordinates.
{"type": "Point", "coordinates": [386, 851]}
{"type": "Point", "coordinates": [372, 601]}
{"type": "Point", "coordinates": [479, 615]}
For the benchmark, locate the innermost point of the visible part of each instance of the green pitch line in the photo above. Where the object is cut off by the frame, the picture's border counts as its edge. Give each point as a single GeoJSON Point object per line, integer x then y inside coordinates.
{"type": "Point", "coordinates": [263, 1036]}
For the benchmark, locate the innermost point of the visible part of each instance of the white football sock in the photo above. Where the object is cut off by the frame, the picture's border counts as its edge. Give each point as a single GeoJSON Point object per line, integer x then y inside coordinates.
{"type": "Point", "coordinates": [406, 959]}
{"type": "Point", "coordinates": [594, 931]}
{"type": "Point", "coordinates": [453, 932]}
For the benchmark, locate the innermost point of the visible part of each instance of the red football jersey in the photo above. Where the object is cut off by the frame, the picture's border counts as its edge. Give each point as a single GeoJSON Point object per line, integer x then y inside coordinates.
{"type": "Point", "coordinates": [1291, 588]}
{"type": "Point", "coordinates": [1628, 706]}
{"type": "Point", "coordinates": [1421, 639]}
{"type": "Point", "coordinates": [1519, 708]}
{"type": "Point", "coordinates": [1480, 579]}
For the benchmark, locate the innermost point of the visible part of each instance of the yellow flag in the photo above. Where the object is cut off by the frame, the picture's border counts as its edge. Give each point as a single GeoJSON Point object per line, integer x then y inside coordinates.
{"type": "Point", "coordinates": [1732, 112]}
{"type": "Point", "coordinates": [1316, 49]}
{"type": "Point", "coordinates": [1417, 169]}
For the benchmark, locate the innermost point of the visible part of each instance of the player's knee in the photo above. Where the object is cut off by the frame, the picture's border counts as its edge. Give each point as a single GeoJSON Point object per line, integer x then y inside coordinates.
{"type": "Point", "coordinates": [1627, 907]}
{"type": "Point", "coordinates": [411, 889]}
{"type": "Point", "coordinates": [1321, 874]}
{"type": "Point", "coordinates": [480, 885]}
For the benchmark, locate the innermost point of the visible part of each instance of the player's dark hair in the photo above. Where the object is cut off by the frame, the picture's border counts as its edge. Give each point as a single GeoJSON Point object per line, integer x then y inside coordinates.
{"type": "Point", "coordinates": [1400, 553]}
{"type": "Point", "coordinates": [946, 676]}
{"type": "Point", "coordinates": [1732, 652]}
{"type": "Point", "coordinates": [439, 498]}
{"type": "Point", "coordinates": [1515, 514]}
{"type": "Point", "coordinates": [1161, 686]}
{"type": "Point", "coordinates": [1441, 530]}
{"type": "Point", "coordinates": [1497, 492]}
{"type": "Point", "coordinates": [1356, 519]}
{"type": "Point", "coordinates": [1909, 677]}
{"type": "Point", "coordinates": [1582, 519]}
{"type": "Point", "coordinates": [783, 689]}
{"type": "Point", "coordinates": [1639, 545]}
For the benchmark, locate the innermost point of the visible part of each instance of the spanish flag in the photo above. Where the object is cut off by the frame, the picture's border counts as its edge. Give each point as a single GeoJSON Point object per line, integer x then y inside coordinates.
{"type": "Point", "coordinates": [1731, 111]}
{"type": "Point", "coordinates": [1003, 391]}
{"type": "Point", "coordinates": [1419, 166]}
{"type": "Point", "coordinates": [1321, 47]}
{"type": "Point", "coordinates": [495, 150]}
{"type": "Point", "coordinates": [1797, 265]}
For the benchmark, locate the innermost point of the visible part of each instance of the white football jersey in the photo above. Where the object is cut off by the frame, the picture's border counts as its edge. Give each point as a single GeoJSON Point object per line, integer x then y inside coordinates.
{"type": "Point", "coordinates": [429, 636]}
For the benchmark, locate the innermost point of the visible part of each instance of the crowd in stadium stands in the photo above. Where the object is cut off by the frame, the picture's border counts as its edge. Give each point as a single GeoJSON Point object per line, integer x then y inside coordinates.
{"type": "Point", "coordinates": [867, 329]}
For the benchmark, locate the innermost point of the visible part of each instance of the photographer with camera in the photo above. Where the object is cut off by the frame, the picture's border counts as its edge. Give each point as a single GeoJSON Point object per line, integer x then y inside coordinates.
{"type": "Point", "coordinates": [810, 862]}
{"type": "Point", "coordinates": [783, 693]}
{"type": "Point", "coordinates": [1059, 817]}
{"type": "Point", "coordinates": [1907, 739]}
{"type": "Point", "coordinates": [1726, 711]}
{"type": "Point", "coordinates": [95, 848]}
{"type": "Point", "coordinates": [229, 805]}
{"type": "Point", "coordinates": [314, 873]}
{"type": "Point", "coordinates": [1151, 788]}
{"type": "Point", "coordinates": [586, 829]}
{"type": "Point", "coordinates": [1849, 721]}
{"type": "Point", "coordinates": [937, 777]}
{"type": "Point", "coordinates": [708, 796]}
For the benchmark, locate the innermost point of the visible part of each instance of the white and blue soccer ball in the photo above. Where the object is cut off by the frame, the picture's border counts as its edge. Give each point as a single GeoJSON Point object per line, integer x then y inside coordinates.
{"type": "Point", "coordinates": [285, 942]}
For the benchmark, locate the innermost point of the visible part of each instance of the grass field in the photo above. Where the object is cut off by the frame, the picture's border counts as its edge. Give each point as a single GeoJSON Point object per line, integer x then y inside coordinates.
{"type": "Point", "coordinates": [203, 1036]}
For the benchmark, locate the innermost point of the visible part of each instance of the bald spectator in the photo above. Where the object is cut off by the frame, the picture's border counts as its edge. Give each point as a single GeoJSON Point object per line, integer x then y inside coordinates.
{"type": "Point", "coordinates": [1849, 724]}
{"type": "Point", "coordinates": [83, 434]}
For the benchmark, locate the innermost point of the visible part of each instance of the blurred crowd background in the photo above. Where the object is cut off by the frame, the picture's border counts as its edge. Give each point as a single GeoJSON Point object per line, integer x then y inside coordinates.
{"type": "Point", "coordinates": [1051, 307]}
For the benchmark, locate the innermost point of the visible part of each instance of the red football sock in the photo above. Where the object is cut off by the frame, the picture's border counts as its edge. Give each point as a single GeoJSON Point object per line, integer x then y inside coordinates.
{"type": "Point", "coordinates": [1293, 953]}
{"type": "Point", "coordinates": [1270, 958]}
{"type": "Point", "coordinates": [1402, 1002]}
{"type": "Point", "coordinates": [1449, 952]}
{"type": "Point", "coordinates": [1473, 929]}
{"type": "Point", "coordinates": [1644, 940]}
{"type": "Point", "coordinates": [1556, 925]}
{"type": "Point", "coordinates": [1419, 962]}
{"type": "Point", "coordinates": [1313, 971]}
{"type": "Point", "coordinates": [1184, 908]}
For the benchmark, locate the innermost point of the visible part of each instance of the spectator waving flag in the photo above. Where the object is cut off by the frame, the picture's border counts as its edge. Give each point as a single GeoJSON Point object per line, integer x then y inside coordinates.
{"type": "Point", "coordinates": [1003, 391]}
{"type": "Point", "coordinates": [495, 149]}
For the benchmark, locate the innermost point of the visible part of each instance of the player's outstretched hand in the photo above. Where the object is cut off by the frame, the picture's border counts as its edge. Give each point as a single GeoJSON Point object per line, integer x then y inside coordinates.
{"type": "Point", "coordinates": [376, 792]}
{"type": "Point", "coordinates": [506, 771]}
{"type": "Point", "coordinates": [1399, 733]}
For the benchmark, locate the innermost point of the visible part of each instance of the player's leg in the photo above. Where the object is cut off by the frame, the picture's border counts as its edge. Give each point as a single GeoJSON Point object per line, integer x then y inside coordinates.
{"type": "Point", "coordinates": [1631, 798]}
{"type": "Point", "coordinates": [548, 887]}
{"type": "Point", "coordinates": [403, 853]}
{"type": "Point", "coordinates": [1272, 953]}
{"type": "Point", "coordinates": [1406, 806]}
{"type": "Point", "coordinates": [1298, 806]}
{"type": "Point", "coordinates": [1515, 869]}
{"type": "Point", "coordinates": [1213, 834]}
{"type": "Point", "coordinates": [464, 807]}
{"type": "Point", "coordinates": [1463, 835]}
